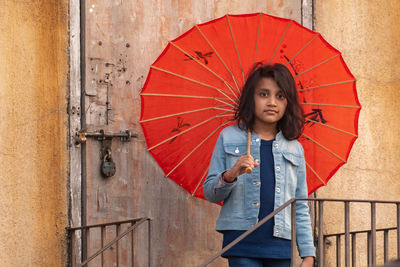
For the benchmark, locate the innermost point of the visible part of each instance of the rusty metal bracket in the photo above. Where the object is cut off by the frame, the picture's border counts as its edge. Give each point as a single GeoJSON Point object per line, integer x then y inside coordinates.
{"type": "Point", "coordinates": [81, 136]}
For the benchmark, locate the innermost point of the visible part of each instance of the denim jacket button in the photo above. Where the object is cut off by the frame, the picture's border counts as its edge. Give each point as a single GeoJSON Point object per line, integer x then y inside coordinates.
{"type": "Point", "coordinates": [255, 204]}
{"type": "Point", "coordinates": [276, 145]}
{"type": "Point", "coordinates": [258, 139]}
{"type": "Point", "coordinates": [237, 150]}
{"type": "Point", "coordinates": [278, 168]}
{"type": "Point", "coordinates": [278, 189]}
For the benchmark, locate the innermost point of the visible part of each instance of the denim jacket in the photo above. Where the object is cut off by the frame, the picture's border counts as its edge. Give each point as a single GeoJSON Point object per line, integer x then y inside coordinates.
{"type": "Point", "coordinates": [241, 198]}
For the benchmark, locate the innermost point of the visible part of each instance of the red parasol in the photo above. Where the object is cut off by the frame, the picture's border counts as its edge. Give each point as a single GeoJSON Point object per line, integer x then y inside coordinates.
{"type": "Point", "coordinates": [193, 87]}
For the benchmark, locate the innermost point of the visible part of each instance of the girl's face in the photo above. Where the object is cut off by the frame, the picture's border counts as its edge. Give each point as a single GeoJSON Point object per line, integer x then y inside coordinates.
{"type": "Point", "coordinates": [270, 102]}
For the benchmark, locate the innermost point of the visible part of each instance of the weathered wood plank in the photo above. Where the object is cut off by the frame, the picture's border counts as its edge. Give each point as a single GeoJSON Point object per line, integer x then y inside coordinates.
{"type": "Point", "coordinates": [75, 124]}
{"type": "Point", "coordinates": [124, 38]}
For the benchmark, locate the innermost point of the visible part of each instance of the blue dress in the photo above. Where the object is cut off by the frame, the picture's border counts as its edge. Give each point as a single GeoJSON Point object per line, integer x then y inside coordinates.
{"type": "Point", "coordinates": [261, 243]}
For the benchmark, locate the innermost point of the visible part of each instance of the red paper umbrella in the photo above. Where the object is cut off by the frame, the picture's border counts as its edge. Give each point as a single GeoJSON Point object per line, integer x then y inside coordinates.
{"type": "Point", "coordinates": [193, 87]}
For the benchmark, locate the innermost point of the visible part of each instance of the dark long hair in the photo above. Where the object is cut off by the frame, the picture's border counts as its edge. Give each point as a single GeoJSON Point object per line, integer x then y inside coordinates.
{"type": "Point", "coordinates": [292, 122]}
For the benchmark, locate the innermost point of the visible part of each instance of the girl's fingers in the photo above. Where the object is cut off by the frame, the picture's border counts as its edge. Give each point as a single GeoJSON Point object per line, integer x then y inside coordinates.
{"type": "Point", "coordinates": [249, 160]}
{"type": "Point", "coordinates": [243, 163]}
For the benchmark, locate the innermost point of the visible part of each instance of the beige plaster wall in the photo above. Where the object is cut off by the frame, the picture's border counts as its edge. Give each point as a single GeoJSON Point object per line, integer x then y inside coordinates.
{"type": "Point", "coordinates": [33, 127]}
{"type": "Point", "coordinates": [368, 35]}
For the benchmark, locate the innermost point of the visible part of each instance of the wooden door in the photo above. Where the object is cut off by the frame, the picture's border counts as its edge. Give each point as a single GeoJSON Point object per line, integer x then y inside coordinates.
{"type": "Point", "coordinates": [121, 40]}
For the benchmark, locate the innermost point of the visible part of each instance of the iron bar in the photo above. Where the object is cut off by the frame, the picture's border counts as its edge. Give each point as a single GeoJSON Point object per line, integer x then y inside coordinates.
{"type": "Point", "coordinates": [369, 246]}
{"type": "Point", "coordinates": [117, 230]}
{"type": "Point", "coordinates": [73, 260]}
{"type": "Point", "coordinates": [373, 233]}
{"type": "Point", "coordinates": [149, 241]}
{"type": "Point", "coordinates": [103, 236]}
{"type": "Point", "coordinates": [362, 231]}
{"type": "Point", "coordinates": [81, 136]}
{"type": "Point", "coordinates": [347, 233]}
{"type": "Point", "coordinates": [293, 232]}
{"type": "Point", "coordinates": [104, 224]}
{"type": "Point", "coordinates": [353, 250]}
{"type": "Point", "coordinates": [385, 246]}
{"type": "Point", "coordinates": [398, 230]}
{"type": "Point", "coordinates": [350, 200]}
{"type": "Point", "coordinates": [101, 134]}
{"type": "Point", "coordinates": [325, 241]}
{"type": "Point", "coordinates": [87, 239]}
{"type": "Point", "coordinates": [338, 251]}
{"type": "Point", "coordinates": [133, 247]}
{"type": "Point", "coordinates": [321, 242]}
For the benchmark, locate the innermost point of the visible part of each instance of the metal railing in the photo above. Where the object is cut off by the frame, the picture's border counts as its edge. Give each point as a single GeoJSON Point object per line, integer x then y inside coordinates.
{"type": "Point", "coordinates": [321, 237]}
{"type": "Point", "coordinates": [353, 245]}
{"type": "Point", "coordinates": [75, 233]}
{"type": "Point", "coordinates": [371, 240]}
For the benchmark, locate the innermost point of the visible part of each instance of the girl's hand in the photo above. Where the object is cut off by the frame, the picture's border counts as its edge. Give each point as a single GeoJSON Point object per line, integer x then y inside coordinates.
{"type": "Point", "coordinates": [240, 167]}
{"type": "Point", "coordinates": [307, 262]}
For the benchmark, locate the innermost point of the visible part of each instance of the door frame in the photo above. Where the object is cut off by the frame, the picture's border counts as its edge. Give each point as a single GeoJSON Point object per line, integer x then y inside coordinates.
{"type": "Point", "coordinates": [76, 70]}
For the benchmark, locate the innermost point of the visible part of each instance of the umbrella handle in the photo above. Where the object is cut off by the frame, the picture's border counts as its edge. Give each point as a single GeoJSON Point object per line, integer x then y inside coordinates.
{"type": "Point", "coordinates": [248, 169]}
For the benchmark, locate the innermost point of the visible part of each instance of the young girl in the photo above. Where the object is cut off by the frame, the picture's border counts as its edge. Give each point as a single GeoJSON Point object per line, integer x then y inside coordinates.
{"type": "Point", "coordinates": [270, 109]}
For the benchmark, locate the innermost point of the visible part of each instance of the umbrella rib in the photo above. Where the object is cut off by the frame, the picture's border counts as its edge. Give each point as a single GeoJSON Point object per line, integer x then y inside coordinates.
{"type": "Point", "coordinates": [331, 127]}
{"type": "Point", "coordinates": [237, 51]}
{"type": "Point", "coordinates": [194, 81]}
{"type": "Point", "coordinates": [225, 115]}
{"type": "Point", "coordinates": [185, 112]}
{"type": "Point", "coordinates": [313, 171]}
{"type": "Point", "coordinates": [280, 41]}
{"type": "Point", "coordinates": [312, 140]}
{"type": "Point", "coordinates": [325, 85]}
{"type": "Point", "coordinates": [319, 64]}
{"type": "Point", "coordinates": [201, 64]}
{"type": "Point", "coordinates": [229, 104]}
{"type": "Point", "coordinates": [330, 105]}
{"type": "Point", "coordinates": [185, 131]}
{"type": "Point", "coordinates": [258, 34]}
{"type": "Point", "coordinates": [190, 96]}
{"type": "Point", "coordinates": [194, 149]}
{"type": "Point", "coordinates": [309, 42]}
{"type": "Point", "coordinates": [220, 58]}
{"type": "Point", "coordinates": [224, 109]}
{"type": "Point", "coordinates": [201, 180]}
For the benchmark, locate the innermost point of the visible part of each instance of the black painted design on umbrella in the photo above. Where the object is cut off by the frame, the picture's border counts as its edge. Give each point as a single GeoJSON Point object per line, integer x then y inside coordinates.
{"type": "Point", "coordinates": [179, 127]}
{"type": "Point", "coordinates": [293, 68]}
{"type": "Point", "coordinates": [316, 115]}
{"type": "Point", "coordinates": [200, 56]}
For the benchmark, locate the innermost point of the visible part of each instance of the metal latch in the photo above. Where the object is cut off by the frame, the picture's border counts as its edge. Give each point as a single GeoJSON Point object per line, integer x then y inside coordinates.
{"type": "Point", "coordinates": [100, 135]}
{"type": "Point", "coordinates": [108, 166]}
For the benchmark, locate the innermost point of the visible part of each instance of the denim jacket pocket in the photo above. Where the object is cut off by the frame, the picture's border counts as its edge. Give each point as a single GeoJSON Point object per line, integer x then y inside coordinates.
{"type": "Point", "coordinates": [233, 152]}
{"type": "Point", "coordinates": [292, 158]}
{"type": "Point", "coordinates": [291, 169]}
